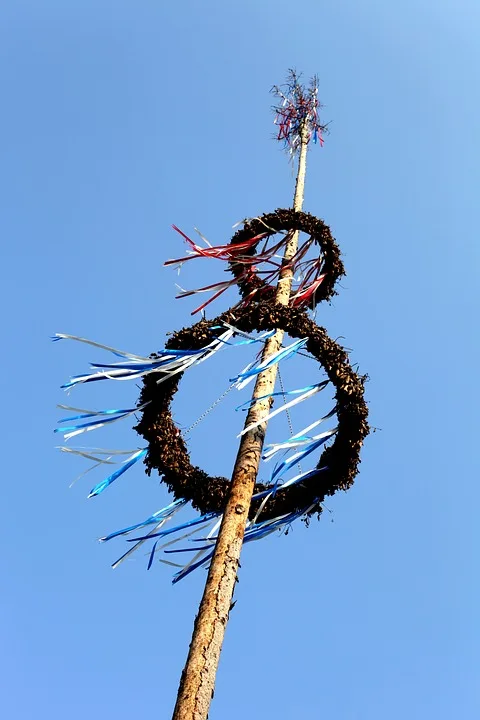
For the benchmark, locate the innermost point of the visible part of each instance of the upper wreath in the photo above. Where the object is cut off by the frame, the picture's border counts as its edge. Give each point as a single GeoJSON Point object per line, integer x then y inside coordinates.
{"type": "Point", "coordinates": [256, 270]}
{"type": "Point", "coordinates": [318, 276]}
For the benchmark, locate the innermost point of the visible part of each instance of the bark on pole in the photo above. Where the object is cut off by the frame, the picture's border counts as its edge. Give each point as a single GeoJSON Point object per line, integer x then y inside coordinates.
{"type": "Point", "coordinates": [198, 678]}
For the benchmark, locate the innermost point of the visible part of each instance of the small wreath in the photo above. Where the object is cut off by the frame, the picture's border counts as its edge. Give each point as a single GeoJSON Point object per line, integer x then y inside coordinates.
{"type": "Point", "coordinates": [252, 285]}
{"type": "Point", "coordinates": [167, 451]}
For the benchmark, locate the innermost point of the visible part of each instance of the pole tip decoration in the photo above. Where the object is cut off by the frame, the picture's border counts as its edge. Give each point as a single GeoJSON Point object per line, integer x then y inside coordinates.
{"type": "Point", "coordinates": [297, 112]}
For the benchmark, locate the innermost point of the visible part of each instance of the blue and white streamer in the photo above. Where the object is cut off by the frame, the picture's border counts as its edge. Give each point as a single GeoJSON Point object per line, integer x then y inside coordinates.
{"type": "Point", "coordinates": [253, 401]}
{"type": "Point", "coordinates": [247, 375]}
{"type": "Point", "coordinates": [95, 454]}
{"type": "Point", "coordinates": [297, 457]}
{"type": "Point", "coordinates": [126, 465]}
{"type": "Point", "coordinates": [119, 353]}
{"type": "Point", "coordinates": [253, 532]}
{"type": "Point", "coordinates": [103, 417]}
{"type": "Point", "coordinates": [166, 514]}
{"type": "Point", "coordinates": [154, 519]}
{"type": "Point", "coordinates": [310, 391]}
{"type": "Point", "coordinates": [251, 338]}
{"type": "Point", "coordinates": [167, 363]}
{"type": "Point", "coordinates": [256, 529]}
{"type": "Point", "coordinates": [298, 440]}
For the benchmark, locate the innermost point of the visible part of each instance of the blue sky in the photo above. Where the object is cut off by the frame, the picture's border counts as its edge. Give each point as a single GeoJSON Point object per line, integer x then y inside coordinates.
{"type": "Point", "coordinates": [119, 118]}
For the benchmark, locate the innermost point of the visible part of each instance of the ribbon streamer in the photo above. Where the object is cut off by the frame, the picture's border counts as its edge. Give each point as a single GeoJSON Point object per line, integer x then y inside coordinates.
{"type": "Point", "coordinates": [165, 512]}
{"type": "Point", "coordinates": [312, 390]}
{"type": "Point", "coordinates": [127, 464]}
{"type": "Point", "coordinates": [202, 555]}
{"type": "Point", "coordinates": [220, 252]}
{"type": "Point", "coordinates": [255, 532]}
{"type": "Point", "coordinates": [297, 112]}
{"type": "Point", "coordinates": [247, 375]}
{"type": "Point", "coordinates": [298, 456]}
{"type": "Point", "coordinates": [167, 363]}
{"type": "Point", "coordinates": [119, 353]}
{"type": "Point", "coordinates": [88, 454]}
{"type": "Point", "coordinates": [72, 430]}
{"type": "Point", "coordinates": [298, 440]}
{"type": "Point", "coordinates": [234, 253]}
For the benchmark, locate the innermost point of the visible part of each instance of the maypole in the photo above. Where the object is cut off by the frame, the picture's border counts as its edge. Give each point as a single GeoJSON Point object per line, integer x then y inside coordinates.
{"type": "Point", "coordinates": [279, 282]}
{"type": "Point", "coordinates": [298, 123]}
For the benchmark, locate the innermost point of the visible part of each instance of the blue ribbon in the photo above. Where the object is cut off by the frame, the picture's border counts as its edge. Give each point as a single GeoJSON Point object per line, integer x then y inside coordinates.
{"type": "Point", "coordinates": [288, 352]}
{"type": "Point", "coordinates": [111, 478]}
{"type": "Point", "coordinates": [298, 457]}
{"type": "Point", "coordinates": [190, 523]}
{"type": "Point", "coordinates": [152, 520]}
{"type": "Point", "coordinates": [246, 405]}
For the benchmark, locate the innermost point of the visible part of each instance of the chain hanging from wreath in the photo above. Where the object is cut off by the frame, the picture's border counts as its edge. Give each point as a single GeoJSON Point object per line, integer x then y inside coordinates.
{"type": "Point", "coordinates": [254, 257]}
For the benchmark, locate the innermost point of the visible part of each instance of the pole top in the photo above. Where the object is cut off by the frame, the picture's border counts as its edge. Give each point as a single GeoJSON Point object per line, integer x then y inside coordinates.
{"type": "Point", "coordinates": [296, 113]}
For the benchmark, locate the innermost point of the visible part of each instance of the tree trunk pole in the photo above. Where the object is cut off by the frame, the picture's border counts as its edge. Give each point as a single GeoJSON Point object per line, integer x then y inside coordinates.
{"type": "Point", "coordinates": [198, 678]}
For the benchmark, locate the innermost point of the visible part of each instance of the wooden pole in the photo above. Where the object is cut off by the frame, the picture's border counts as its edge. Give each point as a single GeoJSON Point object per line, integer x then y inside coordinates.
{"type": "Point", "coordinates": [198, 678]}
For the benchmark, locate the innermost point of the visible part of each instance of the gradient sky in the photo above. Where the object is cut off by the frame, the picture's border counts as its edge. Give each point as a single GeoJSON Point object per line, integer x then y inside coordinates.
{"type": "Point", "coordinates": [119, 118]}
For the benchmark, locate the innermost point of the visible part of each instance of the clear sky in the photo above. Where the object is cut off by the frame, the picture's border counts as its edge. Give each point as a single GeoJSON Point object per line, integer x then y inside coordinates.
{"type": "Point", "coordinates": [119, 118]}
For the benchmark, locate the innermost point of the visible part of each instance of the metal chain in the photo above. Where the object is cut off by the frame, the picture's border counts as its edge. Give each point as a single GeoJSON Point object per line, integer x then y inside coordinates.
{"type": "Point", "coordinates": [287, 411]}
{"type": "Point", "coordinates": [209, 410]}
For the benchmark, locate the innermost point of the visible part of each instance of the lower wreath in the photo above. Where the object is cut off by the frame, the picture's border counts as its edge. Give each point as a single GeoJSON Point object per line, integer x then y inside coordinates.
{"type": "Point", "coordinates": [167, 451]}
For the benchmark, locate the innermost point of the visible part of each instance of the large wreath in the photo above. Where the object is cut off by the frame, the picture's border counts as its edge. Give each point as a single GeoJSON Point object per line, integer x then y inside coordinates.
{"type": "Point", "coordinates": [338, 464]}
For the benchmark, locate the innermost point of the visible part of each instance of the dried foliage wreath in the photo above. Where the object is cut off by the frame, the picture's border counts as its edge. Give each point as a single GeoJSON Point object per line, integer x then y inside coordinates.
{"type": "Point", "coordinates": [338, 465]}
{"type": "Point", "coordinates": [330, 266]}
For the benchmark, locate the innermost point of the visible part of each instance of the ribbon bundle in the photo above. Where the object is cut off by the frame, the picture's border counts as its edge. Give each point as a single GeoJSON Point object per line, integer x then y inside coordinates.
{"type": "Point", "coordinates": [308, 274]}
{"type": "Point", "coordinates": [298, 108]}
